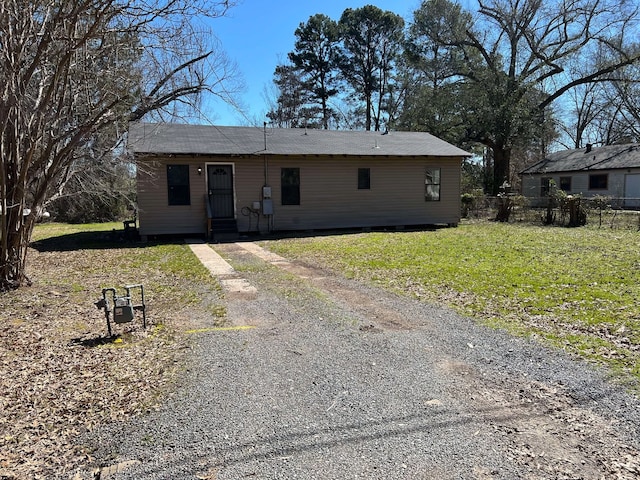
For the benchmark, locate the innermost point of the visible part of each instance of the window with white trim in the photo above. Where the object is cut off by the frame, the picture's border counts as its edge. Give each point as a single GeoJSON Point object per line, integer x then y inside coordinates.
{"type": "Point", "coordinates": [432, 185]}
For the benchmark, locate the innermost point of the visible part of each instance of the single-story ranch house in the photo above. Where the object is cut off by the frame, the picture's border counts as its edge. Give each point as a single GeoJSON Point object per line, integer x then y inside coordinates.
{"type": "Point", "coordinates": [205, 180]}
{"type": "Point", "coordinates": [612, 171]}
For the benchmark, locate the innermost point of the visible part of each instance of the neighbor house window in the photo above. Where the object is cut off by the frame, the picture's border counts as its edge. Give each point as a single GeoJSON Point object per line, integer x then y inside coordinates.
{"type": "Point", "coordinates": [178, 185]}
{"type": "Point", "coordinates": [598, 181]}
{"type": "Point", "coordinates": [364, 179]}
{"type": "Point", "coordinates": [565, 184]}
{"type": "Point", "coordinates": [290, 186]}
{"type": "Point", "coordinates": [432, 185]}
{"type": "Point", "coordinates": [545, 186]}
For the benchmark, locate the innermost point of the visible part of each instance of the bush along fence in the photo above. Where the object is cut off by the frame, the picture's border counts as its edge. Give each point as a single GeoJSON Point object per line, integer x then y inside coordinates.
{"type": "Point", "coordinates": [560, 210]}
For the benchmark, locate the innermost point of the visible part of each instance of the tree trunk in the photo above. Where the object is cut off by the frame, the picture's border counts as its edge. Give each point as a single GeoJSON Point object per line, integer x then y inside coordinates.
{"type": "Point", "coordinates": [13, 253]}
{"type": "Point", "coordinates": [325, 114]}
{"type": "Point", "coordinates": [501, 166]}
{"type": "Point", "coordinates": [367, 125]}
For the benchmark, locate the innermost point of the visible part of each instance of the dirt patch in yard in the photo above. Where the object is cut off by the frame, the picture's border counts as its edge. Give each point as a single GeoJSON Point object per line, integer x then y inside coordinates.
{"type": "Point", "coordinates": [358, 300]}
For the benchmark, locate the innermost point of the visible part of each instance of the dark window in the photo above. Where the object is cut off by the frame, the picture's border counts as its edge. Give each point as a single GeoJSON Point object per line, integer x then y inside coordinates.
{"type": "Point", "coordinates": [598, 181]}
{"type": "Point", "coordinates": [364, 179]}
{"type": "Point", "coordinates": [178, 184]}
{"type": "Point", "coordinates": [290, 186]}
{"type": "Point", "coordinates": [545, 186]}
{"type": "Point", "coordinates": [565, 184]}
{"type": "Point", "coordinates": [432, 185]}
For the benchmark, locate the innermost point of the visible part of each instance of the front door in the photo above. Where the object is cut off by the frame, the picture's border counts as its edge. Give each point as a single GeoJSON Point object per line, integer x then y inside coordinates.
{"type": "Point", "coordinates": [220, 185]}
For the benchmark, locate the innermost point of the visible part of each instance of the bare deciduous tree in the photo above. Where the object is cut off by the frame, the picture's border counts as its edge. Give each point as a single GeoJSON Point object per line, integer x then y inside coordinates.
{"type": "Point", "coordinates": [72, 74]}
{"type": "Point", "coordinates": [527, 50]}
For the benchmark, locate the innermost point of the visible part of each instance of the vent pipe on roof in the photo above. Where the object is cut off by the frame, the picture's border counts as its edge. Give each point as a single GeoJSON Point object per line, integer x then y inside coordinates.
{"type": "Point", "coordinates": [589, 147]}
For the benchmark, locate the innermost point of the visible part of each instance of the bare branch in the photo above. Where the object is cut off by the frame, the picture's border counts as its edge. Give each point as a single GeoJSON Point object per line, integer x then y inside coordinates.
{"type": "Point", "coordinates": [72, 74]}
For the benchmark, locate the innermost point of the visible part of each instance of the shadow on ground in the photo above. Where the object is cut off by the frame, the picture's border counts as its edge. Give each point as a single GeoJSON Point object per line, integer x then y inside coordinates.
{"type": "Point", "coordinates": [96, 240]}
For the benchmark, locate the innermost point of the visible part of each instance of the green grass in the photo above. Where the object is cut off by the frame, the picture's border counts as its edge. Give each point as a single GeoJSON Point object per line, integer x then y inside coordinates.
{"type": "Point", "coordinates": [172, 275]}
{"type": "Point", "coordinates": [53, 229]}
{"type": "Point", "coordinates": [576, 288]}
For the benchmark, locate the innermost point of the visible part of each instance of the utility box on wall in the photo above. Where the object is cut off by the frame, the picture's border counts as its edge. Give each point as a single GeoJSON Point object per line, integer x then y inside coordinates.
{"type": "Point", "coordinates": [267, 202]}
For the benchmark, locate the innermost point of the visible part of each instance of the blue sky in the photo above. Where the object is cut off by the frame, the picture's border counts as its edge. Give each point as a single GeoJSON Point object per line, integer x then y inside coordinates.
{"type": "Point", "coordinates": [258, 34]}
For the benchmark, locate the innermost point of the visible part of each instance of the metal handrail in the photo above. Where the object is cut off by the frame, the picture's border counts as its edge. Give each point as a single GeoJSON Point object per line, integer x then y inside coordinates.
{"type": "Point", "coordinates": [209, 217]}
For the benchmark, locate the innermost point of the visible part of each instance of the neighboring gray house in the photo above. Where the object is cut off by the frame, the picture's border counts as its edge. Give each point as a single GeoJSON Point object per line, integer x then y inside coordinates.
{"type": "Point", "coordinates": [612, 170]}
{"type": "Point", "coordinates": [196, 179]}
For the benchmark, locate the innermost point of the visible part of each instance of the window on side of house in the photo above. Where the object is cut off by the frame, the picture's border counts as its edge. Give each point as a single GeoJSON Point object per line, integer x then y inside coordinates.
{"type": "Point", "coordinates": [598, 181]}
{"type": "Point", "coordinates": [290, 186]}
{"type": "Point", "coordinates": [565, 184]}
{"type": "Point", "coordinates": [178, 185]}
{"type": "Point", "coordinates": [364, 179]}
{"type": "Point", "coordinates": [545, 186]}
{"type": "Point", "coordinates": [432, 185]}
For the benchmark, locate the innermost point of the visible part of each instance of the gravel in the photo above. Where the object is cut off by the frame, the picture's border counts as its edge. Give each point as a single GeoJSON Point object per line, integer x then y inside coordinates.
{"type": "Point", "coordinates": [325, 386]}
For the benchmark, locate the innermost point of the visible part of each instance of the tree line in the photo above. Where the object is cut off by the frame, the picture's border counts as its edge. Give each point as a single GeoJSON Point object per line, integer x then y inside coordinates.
{"type": "Point", "coordinates": [515, 77]}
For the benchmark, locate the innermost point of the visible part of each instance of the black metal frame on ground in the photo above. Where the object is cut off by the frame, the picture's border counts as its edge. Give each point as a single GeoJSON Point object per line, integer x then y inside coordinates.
{"type": "Point", "coordinates": [122, 306]}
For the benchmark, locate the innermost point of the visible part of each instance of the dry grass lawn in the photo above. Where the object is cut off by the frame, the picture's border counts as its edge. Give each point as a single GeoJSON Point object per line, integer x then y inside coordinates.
{"type": "Point", "coordinates": [60, 375]}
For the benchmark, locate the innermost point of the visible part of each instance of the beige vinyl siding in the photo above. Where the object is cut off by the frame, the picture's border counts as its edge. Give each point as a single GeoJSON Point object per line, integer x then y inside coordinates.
{"type": "Point", "coordinates": [248, 183]}
{"type": "Point", "coordinates": [330, 198]}
{"type": "Point", "coordinates": [155, 215]}
{"type": "Point", "coordinates": [329, 194]}
{"type": "Point", "coordinates": [579, 183]}
{"type": "Point", "coordinates": [617, 180]}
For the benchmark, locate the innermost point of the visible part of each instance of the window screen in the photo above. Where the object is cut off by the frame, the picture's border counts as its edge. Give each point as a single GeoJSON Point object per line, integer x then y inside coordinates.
{"type": "Point", "coordinates": [290, 186]}
{"type": "Point", "coordinates": [178, 185]}
{"type": "Point", "coordinates": [432, 185]}
{"type": "Point", "coordinates": [364, 179]}
{"type": "Point", "coordinates": [598, 182]}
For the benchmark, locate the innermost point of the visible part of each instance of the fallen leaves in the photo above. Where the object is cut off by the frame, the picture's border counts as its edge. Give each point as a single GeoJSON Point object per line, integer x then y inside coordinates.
{"type": "Point", "coordinates": [55, 391]}
{"type": "Point", "coordinates": [60, 376]}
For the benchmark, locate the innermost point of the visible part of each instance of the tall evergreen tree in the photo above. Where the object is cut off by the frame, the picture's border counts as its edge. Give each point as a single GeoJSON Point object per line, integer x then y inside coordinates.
{"type": "Point", "coordinates": [291, 108]}
{"type": "Point", "coordinates": [372, 40]}
{"type": "Point", "coordinates": [434, 93]}
{"type": "Point", "coordinates": [314, 56]}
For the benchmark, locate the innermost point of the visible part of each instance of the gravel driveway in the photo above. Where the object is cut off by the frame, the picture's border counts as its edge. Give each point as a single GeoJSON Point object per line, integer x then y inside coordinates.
{"type": "Point", "coordinates": [341, 381]}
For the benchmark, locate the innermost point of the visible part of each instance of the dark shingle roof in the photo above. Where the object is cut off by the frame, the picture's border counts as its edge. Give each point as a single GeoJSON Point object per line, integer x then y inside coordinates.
{"type": "Point", "coordinates": [601, 158]}
{"type": "Point", "coordinates": [173, 138]}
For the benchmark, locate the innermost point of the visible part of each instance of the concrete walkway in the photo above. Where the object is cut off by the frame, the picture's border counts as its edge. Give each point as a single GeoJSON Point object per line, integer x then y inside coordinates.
{"type": "Point", "coordinates": [231, 281]}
